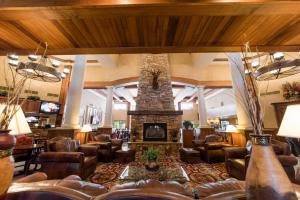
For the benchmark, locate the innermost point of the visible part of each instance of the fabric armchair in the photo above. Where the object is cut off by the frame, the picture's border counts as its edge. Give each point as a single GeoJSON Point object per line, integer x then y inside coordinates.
{"type": "Point", "coordinates": [65, 157]}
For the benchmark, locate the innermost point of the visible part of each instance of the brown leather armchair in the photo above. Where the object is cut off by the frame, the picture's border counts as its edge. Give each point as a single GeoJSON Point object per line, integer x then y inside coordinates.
{"type": "Point", "coordinates": [64, 157]}
{"type": "Point", "coordinates": [211, 149]}
{"type": "Point", "coordinates": [237, 159]}
{"type": "Point", "coordinates": [106, 146]}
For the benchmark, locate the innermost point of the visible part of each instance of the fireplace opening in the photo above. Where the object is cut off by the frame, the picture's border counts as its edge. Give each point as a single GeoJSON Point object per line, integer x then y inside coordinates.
{"type": "Point", "coordinates": [155, 132]}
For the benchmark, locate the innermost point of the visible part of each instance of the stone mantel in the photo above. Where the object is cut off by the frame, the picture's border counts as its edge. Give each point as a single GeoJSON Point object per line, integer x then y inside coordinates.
{"type": "Point", "coordinates": [155, 112]}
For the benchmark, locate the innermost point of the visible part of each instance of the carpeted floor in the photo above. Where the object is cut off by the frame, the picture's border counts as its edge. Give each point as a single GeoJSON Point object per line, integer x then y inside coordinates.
{"type": "Point", "coordinates": [107, 174]}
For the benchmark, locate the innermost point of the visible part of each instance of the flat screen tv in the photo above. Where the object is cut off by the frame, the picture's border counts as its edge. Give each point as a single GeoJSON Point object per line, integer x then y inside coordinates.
{"type": "Point", "coordinates": [49, 107]}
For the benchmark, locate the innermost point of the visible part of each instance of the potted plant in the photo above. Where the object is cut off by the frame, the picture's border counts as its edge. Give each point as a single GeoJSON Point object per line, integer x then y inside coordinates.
{"type": "Point", "coordinates": [174, 135]}
{"type": "Point", "coordinates": [187, 124]}
{"type": "Point", "coordinates": [34, 98]}
{"type": "Point", "coordinates": [150, 157]}
{"type": "Point", "coordinates": [3, 93]}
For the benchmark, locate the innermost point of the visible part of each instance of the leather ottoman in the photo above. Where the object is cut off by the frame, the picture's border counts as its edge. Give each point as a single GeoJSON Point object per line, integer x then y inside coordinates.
{"type": "Point", "coordinates": [189, 155]}
{"type": "Point", "coordinates": [125, 156]}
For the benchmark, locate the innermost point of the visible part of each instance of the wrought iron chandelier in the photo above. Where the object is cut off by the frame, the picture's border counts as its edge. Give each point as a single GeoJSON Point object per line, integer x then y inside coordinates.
{"type": "Point", "coordinates": [271, 66]}
{"type": "Point", "coordinates": [40, 68]}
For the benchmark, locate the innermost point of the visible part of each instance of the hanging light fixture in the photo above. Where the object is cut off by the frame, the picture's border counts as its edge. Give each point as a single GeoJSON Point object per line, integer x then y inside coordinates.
{"type": "Point", "coordinates": [40, 68]}
{"type": "Point", "coordinates": [276, 66]}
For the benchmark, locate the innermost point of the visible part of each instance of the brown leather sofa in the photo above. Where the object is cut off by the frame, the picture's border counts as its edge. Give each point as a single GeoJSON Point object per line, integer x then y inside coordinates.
{"type": "Point", "coordinates": [237, 159]}
{"type": "Point", "coordinates": [36, 186]}
{"type": "Point", "coordinates": [211, 149]}
{"type": "Point", "coordinates": [64, 157]}
{"type": "Point", "coordinates": [106, 146]}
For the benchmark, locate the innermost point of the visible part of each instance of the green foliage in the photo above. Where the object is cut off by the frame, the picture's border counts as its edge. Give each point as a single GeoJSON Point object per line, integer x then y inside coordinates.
{"type": "Point", "coordinates": [187, 124]}
{"type": "Point", "coordinates": [3, 93]}
{"type": "Point", "coordinates": [34, 98]}
{"type": "Point", "coordinates": [150, 154]}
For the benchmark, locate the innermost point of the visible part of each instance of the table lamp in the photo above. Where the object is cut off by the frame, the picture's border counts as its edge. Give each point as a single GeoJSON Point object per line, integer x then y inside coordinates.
{"type": "Point", "coordinates": [85, 130]}
{"type": "Point", "coordinates": [18, 125]}
{"type": "Point", "coordinates": [290, 123]}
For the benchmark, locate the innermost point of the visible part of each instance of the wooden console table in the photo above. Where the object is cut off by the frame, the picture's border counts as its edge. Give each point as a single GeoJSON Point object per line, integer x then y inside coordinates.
{"type": "Point", "coordinates": [164, 146]}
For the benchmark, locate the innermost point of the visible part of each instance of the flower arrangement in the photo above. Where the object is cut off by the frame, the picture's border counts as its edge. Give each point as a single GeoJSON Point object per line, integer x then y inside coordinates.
{"type": "Point", "coordinates": [291, 91]}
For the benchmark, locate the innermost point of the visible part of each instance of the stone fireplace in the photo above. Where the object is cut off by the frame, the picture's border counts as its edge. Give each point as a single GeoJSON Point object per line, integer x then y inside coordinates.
{"type": "Point", "coordinates": [154, 102]}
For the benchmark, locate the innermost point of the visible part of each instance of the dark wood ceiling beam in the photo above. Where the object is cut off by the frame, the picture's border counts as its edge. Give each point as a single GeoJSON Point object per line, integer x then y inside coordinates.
{"type": "Point", "coordinates": [126, 50]}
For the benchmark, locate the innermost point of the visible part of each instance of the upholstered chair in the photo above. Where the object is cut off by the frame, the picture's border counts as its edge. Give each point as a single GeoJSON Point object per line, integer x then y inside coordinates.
{"type": "Point", "coordinates": [64, 157]}
{"type": "Point", "coordinates": [211, 149]}
{"type": "Point", "coordinates": [106, 146]}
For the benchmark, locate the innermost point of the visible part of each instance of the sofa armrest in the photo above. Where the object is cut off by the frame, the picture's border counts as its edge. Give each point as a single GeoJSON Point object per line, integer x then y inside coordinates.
{"type": "Point", "coordinates": [286, 160]}
{"type": "Point", "coordinates": [235, 152]}
{"type": "Point", "coordinates": [70, 157]}
{"type": "Point", "coordinates": [38, 176]}
{"type": "Point", "coordinates": [88, 150]}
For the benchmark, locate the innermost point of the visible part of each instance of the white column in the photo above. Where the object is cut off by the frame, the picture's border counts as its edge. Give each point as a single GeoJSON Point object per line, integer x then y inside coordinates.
{"type": "Point", "coordinates": [108, 108]}
{"type": "Point", "coordinates": [201, 107]}
{"type": "Point", "coordinates": [237, 75]}
{"type": "Point", "coordinates": [72, 111]}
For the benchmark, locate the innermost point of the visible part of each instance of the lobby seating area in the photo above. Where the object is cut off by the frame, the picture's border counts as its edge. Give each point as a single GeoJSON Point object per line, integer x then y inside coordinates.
{"type": "Point", "coordinates": [156, 99]}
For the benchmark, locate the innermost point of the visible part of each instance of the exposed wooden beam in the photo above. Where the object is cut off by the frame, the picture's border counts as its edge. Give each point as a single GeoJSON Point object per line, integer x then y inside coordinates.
{"type": "Point", "coordinates": [132, 50]}
{"type": "Point", "coordinates": [207, 84]}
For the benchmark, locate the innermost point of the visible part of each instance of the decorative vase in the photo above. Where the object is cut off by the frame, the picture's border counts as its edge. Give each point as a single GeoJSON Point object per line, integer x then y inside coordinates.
{"type": "Point", "coordinates": [265, 178]}
{"type": "Point", "coordinates": [152, 165]}
{"type": "Point", "coordinates": [7, 142]}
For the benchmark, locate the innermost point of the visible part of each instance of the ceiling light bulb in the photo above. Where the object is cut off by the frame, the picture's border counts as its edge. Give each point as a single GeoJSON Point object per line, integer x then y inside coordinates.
{"type": "Point", "coordinates": [33, 57]}
{"type": "Point", "coordinates": [255, 64]}
{"type": "Point", "coordinates": [63, 75]}
{"type": "Point", "coordinates": [13, 63]}
{"type": "Point", "coordinates": [275, 71]}
{"type": "Point", "coordinates": [66, 70]}
{"type": "Point", "coordinates": [55, 63]}
{"type": "Point", "coordinates": [278, 55]}
{"type": "Point", "coordinates": [13, 57]}
{"type": "Point", "coordinates": [247, 71]}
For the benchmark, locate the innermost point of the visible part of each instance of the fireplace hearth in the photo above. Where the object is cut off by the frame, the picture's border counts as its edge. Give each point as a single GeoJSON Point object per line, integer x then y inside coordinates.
{"type": "Point", "coordinates": [155, 132]}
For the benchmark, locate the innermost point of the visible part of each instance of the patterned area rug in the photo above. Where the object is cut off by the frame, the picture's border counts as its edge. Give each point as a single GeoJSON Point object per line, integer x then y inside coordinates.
{"type": "Point", "coordinates": [107, 173]}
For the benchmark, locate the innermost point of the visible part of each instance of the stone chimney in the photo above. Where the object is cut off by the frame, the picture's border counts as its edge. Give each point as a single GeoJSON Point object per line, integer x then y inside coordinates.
{"type": "Point", "coordinates": [155, 103]}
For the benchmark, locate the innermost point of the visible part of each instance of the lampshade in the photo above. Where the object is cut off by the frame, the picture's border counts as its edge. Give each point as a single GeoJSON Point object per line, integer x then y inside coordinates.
{"type": "Point", "coordinates": [290, 123]}
{"type": "Point", "coordinates": [18, 124]}
{"type": "Point", "coordinates": [86, 128]}
{"type": "Point", "coordinates": [231, 128]}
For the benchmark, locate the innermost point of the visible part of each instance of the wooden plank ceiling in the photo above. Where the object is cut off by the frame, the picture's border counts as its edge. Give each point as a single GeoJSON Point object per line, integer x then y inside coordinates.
{"type": "Point", "coordinates": [155, 26]}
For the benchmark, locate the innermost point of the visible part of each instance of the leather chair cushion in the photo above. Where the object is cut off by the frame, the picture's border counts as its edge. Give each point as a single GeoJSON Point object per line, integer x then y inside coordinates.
{"type": "Point", "coordinates": [115, 148]}
{"type": "Point", "coordinates": [215, 145]}
{"type": "Point", "coordinates": [237, 163]}
{"type": "Point", "coordinates": [116, 142]}
{"type": "Point", "coordinates": [89, 161]}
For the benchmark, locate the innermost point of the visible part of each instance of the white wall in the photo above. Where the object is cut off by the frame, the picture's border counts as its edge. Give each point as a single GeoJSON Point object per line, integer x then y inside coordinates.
{"type": "Point", "coordinates": [271, 86]}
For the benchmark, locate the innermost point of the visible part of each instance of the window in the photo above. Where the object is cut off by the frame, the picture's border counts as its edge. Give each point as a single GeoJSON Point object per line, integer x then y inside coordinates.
{"type": "Point", "coordinates": [119, 124]}
{"type": "Point", "coordinates": [187, 106]}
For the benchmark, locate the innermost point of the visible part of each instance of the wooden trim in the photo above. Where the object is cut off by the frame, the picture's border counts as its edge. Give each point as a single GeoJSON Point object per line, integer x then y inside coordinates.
{"type": "Point", "coordinates": [103, 84]}
{"type": "Point", "coordinates": [207, 84]}
{"type": "Point", "coordinates": [155, 50]}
